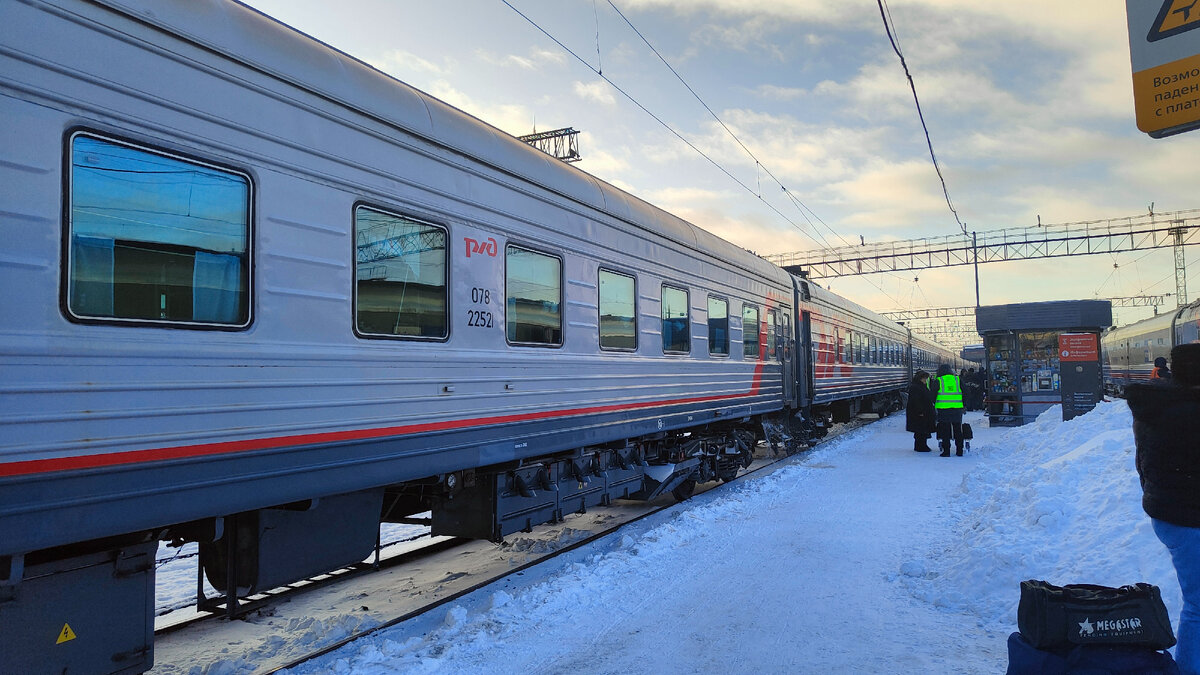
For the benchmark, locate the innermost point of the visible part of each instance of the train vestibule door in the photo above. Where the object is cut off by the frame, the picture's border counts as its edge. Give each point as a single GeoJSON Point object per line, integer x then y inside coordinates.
{"type": "Point", "coordinates": [787, 354]}
{"type": "Point", "coordinates": [809, 369]}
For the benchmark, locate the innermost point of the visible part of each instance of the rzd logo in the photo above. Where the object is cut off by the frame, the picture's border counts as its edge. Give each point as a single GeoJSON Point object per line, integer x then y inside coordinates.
{"type": "Point", "coordinates": [488, 248]}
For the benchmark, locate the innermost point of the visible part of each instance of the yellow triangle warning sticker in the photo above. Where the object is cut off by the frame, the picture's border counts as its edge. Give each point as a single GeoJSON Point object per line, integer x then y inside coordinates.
{"type": "Point", "coordinates": [1175, 17]}
{"type": "Point", "coordinates": [66, 635]}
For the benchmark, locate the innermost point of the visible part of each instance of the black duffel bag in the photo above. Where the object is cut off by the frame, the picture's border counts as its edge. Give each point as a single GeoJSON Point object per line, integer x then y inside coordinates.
{"type": "Point", "coordinates": [1051, 616]}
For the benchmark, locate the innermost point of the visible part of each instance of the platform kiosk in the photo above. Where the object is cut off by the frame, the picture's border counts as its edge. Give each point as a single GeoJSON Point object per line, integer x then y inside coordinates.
{"type": "Point", "coordinates": [1042, 354]}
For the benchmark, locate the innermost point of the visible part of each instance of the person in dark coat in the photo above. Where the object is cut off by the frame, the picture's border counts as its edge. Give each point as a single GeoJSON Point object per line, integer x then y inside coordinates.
{"type": "Point", "coordinates": [1166, 430]}
{"type": "Point", "coordinates": [1160, 372]}
{"type": "Point", "coordinates": [948, 401]}
{"type": "Point", "coordinates": [919, 415]}
{"type": "Point", "coordinates": [972, 391]}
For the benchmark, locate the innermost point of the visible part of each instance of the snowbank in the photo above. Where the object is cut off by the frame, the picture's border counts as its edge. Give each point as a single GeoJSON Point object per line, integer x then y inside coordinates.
{"type": "Point", "coordinates": [1053, 500]}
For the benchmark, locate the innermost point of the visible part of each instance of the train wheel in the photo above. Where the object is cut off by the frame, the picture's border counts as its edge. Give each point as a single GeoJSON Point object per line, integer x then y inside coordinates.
{"type": "Point", "coordinates": [684, 490]}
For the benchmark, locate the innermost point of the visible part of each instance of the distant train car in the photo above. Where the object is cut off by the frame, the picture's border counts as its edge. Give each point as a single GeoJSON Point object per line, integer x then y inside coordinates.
{"type": "Point", "coordinates": [1128, 352]}
{"type": "Point", "coordinates": [860, 360]}
{"type": "Point", "coordinates": [270, 297]}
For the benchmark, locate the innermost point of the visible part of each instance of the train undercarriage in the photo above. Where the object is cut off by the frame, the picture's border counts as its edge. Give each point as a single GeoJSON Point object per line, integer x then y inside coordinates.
{"type": "Point", "coordinates": [252, 552]}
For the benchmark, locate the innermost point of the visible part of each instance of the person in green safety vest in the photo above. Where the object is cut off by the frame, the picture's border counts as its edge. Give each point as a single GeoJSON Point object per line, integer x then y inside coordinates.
{"type": "Point", "coordinates": [948, 401]}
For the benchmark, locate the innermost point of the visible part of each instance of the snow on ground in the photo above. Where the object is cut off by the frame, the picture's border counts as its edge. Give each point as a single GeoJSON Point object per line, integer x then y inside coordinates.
{"type": "Point", "coordinates": [858, 557]}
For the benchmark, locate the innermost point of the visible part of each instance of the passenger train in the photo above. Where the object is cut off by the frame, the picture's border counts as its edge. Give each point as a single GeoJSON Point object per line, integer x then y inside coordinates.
{"type": "Point", "coordinates": [261, 296]}
{"type": "Point", "coordinates": [1128, 352]}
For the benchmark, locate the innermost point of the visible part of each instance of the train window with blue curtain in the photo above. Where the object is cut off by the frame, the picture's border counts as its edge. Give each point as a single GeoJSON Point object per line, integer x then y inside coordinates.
{"type": "Point", "coordinates": [750, 328]}
{"type": "Point", "coordinates": [156, 238]}
{"type": "Point", "coordinates": [533, 306]}
{"type": "Point", "coordinates": [718, 326]}
{"type": "Point", "coordinates": [618, 318]}
{"type": "Point", "coordinates": [400, 276]}
{"type": "Point", "coordinates": [676, 328]}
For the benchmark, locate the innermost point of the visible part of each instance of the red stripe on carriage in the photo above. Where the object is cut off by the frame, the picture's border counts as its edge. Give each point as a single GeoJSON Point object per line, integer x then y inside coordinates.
{"type": "Point", "coordinates": [226, 447]}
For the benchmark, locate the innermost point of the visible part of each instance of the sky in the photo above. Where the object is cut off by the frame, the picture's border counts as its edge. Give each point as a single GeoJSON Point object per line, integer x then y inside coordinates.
{"type": "Point", "coordinates": [1029, 107]}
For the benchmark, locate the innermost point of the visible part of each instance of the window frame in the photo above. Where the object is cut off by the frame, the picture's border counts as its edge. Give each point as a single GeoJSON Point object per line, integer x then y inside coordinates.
{"type": "Point", "coordinates": [687, 302]}
{"type": "Point", "coordinates": [708, 322]}
{"type": "Point", "coordinates": [562, 318]}
{"type": "Point", "coordinates": [757, 331]}
{"type": "Point", "coordinates": [67, 229]}
{"type": "Point", "coordinates": [600, 313]}
{"type": "Point", "coordinates": [772, 334]}
{"type": "Point", "coordinates": [398, 213]}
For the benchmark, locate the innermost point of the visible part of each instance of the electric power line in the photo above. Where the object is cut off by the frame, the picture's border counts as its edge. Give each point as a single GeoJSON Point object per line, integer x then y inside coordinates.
{"type": "Point", "coordinates": [796, 201]}
{"type": "Point", "coordinates": [664, 124]}
{"type": "Point", "coordinates": [887, 26]}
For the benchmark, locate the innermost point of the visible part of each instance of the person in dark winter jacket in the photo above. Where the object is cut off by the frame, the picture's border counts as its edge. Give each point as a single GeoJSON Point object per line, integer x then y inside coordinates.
{"type": "Point", "coordinates": [948, 400]}
{"type": "Point", "coordinates": [1166, 429]}
{"type": "Point", "coordinates": [1160, 372]}
{"type": "Point", "coordinates": [919, 415]}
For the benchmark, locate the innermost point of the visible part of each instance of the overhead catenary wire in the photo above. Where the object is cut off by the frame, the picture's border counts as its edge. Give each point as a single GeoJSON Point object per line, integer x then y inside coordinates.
{"type": "Point", "coordinates": [758, 163]}
{"type": "Point", "coordinates": [822, 243]}
{"type": "Point", "coordinates": [887, 26]}
{"type": "Point", "coordinates": [665, 125]}
{"type": "Point", "coordinates": [759, 166]}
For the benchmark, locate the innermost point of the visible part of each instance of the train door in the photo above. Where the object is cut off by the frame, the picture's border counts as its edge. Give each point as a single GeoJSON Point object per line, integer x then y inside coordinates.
{"type": "Point", "coordinates": [809, 369]}
{"type": "Point", "coordinates": [787, 354]}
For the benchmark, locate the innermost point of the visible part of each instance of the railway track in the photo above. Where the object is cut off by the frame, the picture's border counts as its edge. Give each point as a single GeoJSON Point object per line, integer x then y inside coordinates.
{"type": "Point", "coordinates": [409, 583]}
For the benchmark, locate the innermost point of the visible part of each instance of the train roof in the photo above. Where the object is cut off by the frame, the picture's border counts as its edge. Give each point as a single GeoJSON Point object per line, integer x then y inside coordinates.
{"type": "Point", "coordinates": [1155, 323]}
{"type": "Point", "coordinates": [268, 45]}
{"type": "Point", "coordinates": [822, 294]}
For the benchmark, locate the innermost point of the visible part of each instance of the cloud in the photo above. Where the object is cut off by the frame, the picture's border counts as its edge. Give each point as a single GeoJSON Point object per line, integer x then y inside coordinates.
{"type": "Point", "coordinates": [534, 60]}
{"type": "Point", "coordinates": [402, 64]}
{"type": "Point", "coordinates": [777, 93]}
{"type": "Point", "coordinates": [598, 91]}
{"type": "Point", "coordinates": [514, 119]}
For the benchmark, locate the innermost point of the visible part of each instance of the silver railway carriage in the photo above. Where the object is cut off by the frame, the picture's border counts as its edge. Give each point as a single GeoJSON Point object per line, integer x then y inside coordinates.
{"type": "Point", "coordinates": [1128, 352]}
{"type": "Point", "coordinates": [262, 296]}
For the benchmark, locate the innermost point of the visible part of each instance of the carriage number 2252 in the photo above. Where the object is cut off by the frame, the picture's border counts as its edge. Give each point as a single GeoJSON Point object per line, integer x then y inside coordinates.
{"type": "Point", "coordinates": [480, 318]}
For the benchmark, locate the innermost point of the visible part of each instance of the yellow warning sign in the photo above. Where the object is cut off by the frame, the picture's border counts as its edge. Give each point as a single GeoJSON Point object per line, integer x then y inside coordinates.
{"type": "Point", "coordinates": [1168, 95]}
{"type": "Point", "coordinates": [66, 635]}
{"type": "Point", "coordinates": [1175, 17]}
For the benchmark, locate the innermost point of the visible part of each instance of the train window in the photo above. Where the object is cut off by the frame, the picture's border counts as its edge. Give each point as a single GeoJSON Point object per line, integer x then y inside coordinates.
{"type": "Point", "coordinates": [750, 328]}
{"type": "Point", "coordinates": [400, 276]}
{"type": "Point", "coordinates": [873, 346]}
{"type": "Point", "coordinates": [618, 318]}
{"type": "Point", "coordinates": [848, 347]}
{"type": "Point", "coordinates": [771, 319]}
{"type": "Point", "coordinates": [676, 324]}
{"type": "Point", "coordinates": [837, 345]}
{"type": "Point", "coordinates": [156, 238]}
{"type": "Point", "coordinates": [718, 326]}
{"type": "Point", "coordinates": [533, 297]}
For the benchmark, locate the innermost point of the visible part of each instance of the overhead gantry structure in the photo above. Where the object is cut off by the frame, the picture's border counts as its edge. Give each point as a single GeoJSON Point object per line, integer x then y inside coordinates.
{"type": "Point", "coordinates": [1148, 231]}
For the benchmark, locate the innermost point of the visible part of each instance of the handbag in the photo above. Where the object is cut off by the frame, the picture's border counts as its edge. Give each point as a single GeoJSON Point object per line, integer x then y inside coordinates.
{"type": "Point", "coordinates": [1051, 616]}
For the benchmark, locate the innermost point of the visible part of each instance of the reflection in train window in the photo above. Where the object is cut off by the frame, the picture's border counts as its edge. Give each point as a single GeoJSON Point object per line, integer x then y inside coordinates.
{"type": "Point", "coordinates": [676, 329]}
{"type": "Point", "coordinates": [157, 238]}
{"type": "Point", "coordinates": [771, 318]}
{"type": "Point", "coordinates": [400, 276]}
{"type": "Point", "coordinates": [718, 326]}
{"type": "Point", "coordinates": [750, 328]}
{"type": "Point", "coordinates": [533, 297]}
{"type": "Point", "coordinates": [618, 320]}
